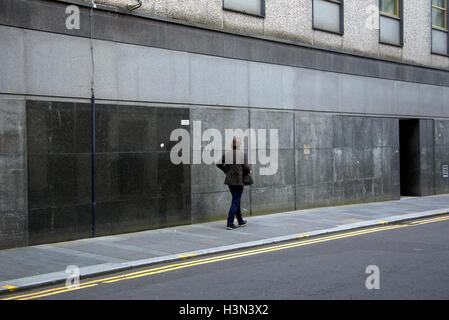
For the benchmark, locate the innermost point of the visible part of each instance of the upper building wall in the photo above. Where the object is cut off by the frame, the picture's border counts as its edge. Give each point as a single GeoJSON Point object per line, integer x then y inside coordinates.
{"type": "Point", "coordinates": [292, 20]}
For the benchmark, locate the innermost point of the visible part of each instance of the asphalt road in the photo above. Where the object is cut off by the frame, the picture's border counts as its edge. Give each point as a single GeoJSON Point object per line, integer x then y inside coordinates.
{"type": "Point", "coordinates": [412, 261]}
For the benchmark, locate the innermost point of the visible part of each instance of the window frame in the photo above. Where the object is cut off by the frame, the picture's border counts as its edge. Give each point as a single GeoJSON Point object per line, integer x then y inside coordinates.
{"type": "Point", "coordinates": [397, 6]}
{"type": "Point", "coordinates": [432, 27]}
{"type": "Point", "coordinates": [400, 17]}
{"type": "Point", "coordinates": [261, 15]}
{"type": "Point", "coordinates": [342, 17]}
{"type": "Point", "coordinates": [445, 16]}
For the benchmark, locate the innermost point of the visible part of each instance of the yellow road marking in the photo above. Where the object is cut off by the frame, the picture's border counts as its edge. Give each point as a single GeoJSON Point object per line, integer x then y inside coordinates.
{"type": "Point", "coordinates": [40, 295]}
{"type": "Point", "coordinates": [188, 264]}
{"type": "Point", "coordinates": [194, 263]}
{"type": "Point", "coordinates": [234, 255]}
{"type": "Point", "coordinates": [244, 254]}
{"type": "Point", "coordinates": [429, 220]}
{"type": "Point", "coordinates": [10, 288]}
{"type": "Point", "coordinates": [185, 256]}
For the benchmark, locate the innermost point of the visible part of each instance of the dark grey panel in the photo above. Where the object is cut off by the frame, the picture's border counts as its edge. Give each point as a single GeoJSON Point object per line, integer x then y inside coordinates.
{"type": "Point", "coordinates": [314, 196]}
{"type": "Point", "coordinates": [209, 206]}
{"type": "Point", "coordinates": [351, 159]}
{"type": "Point", "coordinates": [441, 159]}
{"type": "Point", "coordinates": [315, 130]}
{"type": "Point", "coordinates": [363, 133]}
{"type": "Point", "coordinates": [140, 29]}
{"type": "Point", "coordinates": [314, 168]}
{"type": "Point", "coordinates": [14, 229]}
{"type": "Point", "coordinates": [343, 164]}
{"type": "Point", "coordinates": [272, 199]}
{"type": "Point", "coordinates": [441, 155]}
{"type": "Point", "coordinates": [385, 132]}
{"type": "Point", "coordinates": [13, 197]}
{"type": "Point", "coordinates": [343, 131]}
{"type": "Point", "coordinates": [137, 186]}
{"type": "Point", "coordinates": [285, 174]}
{"type": "Point", "coordinates": [427, 179]}
{"type": "Point", "coordinates": [56, 127]}
{"type": "Point", "coordinates": [59, 224]}
{"type": "Point", "coordinates": [363, 163]}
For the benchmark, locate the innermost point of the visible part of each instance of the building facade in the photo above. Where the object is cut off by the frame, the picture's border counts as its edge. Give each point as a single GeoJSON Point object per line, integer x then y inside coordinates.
{"type": "Point", "coordinates": [90, 93]}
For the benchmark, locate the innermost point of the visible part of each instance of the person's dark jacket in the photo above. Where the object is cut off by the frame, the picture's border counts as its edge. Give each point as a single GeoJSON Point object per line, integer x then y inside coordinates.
{"type": "Point", "coordinates": [234, 171]}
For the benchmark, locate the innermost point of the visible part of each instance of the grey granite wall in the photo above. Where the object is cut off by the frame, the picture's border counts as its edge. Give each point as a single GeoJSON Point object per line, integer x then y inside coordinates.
{"type": "Point", "coordinates": [426, 147]}
{"type": "Point", "coordinates": [345, 159]}
{"type": "Point", "coordinates": [323, 159]}
{"type": "Point", "coordinates": [59, 171]}
{"type": "Point", "coordinates": [45, 64]}
{"type": "Point", "coordinates": [137, 187]}
{"type": "Point", "coordinates": [13, 185]}
{"type": "Point", "coordinates": [274, 192]}
{"type": "Point", "coordinates": [441, 139]}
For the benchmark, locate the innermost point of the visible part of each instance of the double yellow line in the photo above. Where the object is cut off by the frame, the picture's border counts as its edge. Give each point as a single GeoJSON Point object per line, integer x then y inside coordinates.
{"type": "Point", "coordinates": [188, 264]}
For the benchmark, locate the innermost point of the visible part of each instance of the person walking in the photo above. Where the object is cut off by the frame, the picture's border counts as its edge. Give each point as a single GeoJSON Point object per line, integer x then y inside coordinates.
{"type": "Point", "coordinates": [238, 174]}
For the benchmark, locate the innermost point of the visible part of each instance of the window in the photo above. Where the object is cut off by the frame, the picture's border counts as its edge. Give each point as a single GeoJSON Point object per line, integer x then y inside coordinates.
{"type": "Point", "coordinates": [391, 22]}
{"type": "Point", "coordinates": [390, 7]}
{"type": "Point", "coordinates": [439, 16]}
{"type": "Point", "coordinates": [440, 38]}
{"type": "Point", "coordinates": [251, 7]}
{"type": "Point", "coordinates": [328, 15]}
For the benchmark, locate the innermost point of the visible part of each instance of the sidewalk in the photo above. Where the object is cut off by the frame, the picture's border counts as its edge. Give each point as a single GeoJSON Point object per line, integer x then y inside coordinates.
{"type": "Point", "coordinates": [29, 267]}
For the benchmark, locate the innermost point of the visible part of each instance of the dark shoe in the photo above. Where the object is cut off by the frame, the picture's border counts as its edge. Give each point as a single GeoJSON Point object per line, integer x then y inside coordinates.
{"type": "Point", "coordinates": [231, 227]}
{"type": "Point", "coordinates": [243, 223]}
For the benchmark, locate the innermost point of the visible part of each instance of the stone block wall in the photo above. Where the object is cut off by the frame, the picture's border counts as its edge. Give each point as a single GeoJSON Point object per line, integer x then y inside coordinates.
{"type": "Point", "coordinates": [13, 182]}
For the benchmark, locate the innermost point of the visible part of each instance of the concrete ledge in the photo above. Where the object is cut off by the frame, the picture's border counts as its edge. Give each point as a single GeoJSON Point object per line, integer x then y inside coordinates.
{"type": "Point", "coordinates": [28, 283]}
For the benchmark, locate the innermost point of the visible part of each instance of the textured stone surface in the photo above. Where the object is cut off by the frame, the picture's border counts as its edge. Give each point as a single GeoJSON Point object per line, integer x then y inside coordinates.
{"type": "Point", "coordinates": [351, 159]}
{"type": "Point", "coordinates": [137, 186]}
{"type": "Point", "coordinates": [417, 22]}
{"type": "Point", "coordinates": [359, 35]}
{"type": "Point", "coordinates": [441, 139]}
{"type": "Point", "coordinates": [289, 19]}
{"type": "Point", "coordinates": [324, 159]}
{"type": "Point", "coordinates": [292, 20]}
{"type": "Point", "coordinates": [13, 184]}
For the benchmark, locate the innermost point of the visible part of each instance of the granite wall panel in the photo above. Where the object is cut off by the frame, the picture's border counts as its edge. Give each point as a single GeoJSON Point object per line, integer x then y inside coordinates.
{"type": "Point", "coordinates": [345, 159]}
{"type": "Point", "coordinates": [13, 197]}
{"type": "Point", "coordinates": [137, 186]}
{"type": "Point", "coordinates": [441, 155]}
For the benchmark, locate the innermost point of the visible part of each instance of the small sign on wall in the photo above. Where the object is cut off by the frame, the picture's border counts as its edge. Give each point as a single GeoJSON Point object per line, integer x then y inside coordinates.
{"type": "Point", "coordinates": [445, 171]}
{"type": "Point", "coordinates": [307, 149]}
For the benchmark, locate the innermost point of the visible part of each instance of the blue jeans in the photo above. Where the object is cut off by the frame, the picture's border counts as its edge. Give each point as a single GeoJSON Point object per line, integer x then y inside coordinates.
{"type": "Point", "coordinates": [234, 211]}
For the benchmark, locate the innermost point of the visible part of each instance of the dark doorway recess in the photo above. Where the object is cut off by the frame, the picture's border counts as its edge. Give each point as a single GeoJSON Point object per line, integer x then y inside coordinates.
{"type": "Point", "coordinates": [410, 157]}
